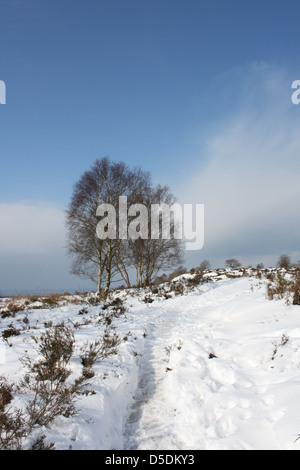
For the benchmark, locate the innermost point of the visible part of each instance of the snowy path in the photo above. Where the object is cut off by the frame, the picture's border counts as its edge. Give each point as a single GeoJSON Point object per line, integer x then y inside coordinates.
{"type": "Point", "coordinates": [207, 379]}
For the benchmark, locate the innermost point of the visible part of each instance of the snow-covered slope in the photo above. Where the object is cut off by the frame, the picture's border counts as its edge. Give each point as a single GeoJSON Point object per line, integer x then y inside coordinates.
{"type": "Point", "coordinates": [212, 365]}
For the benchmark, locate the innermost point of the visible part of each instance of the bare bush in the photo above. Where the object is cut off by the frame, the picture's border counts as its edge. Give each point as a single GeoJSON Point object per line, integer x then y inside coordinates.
{"type": "Point", "coordinates": [56, 347]}
{"type": "Point", "coordinates": [13, 429]}
{"type": "Point", "coordinates": [47, 375]}
{"type": "Point", "coordinates": [98, 350]}
{"type": "Point", "coordinates": [296, 289]}
{"type": "Point", "coordinates": [50, 391]}
{"type": "Point", "coordinates": [284, 285]}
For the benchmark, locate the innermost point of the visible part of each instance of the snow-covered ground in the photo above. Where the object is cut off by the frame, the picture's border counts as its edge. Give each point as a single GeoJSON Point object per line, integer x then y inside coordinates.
{"type": "Point", "coordinates": [216, 366]}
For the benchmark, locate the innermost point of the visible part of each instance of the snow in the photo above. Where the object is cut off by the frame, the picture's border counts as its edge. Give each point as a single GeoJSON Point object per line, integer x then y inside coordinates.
{"type": "Point", "coordinates": [216, 367]}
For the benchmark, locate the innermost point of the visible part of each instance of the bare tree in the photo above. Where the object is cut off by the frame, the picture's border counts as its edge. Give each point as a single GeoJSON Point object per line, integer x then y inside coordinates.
{"type": "Point", "coordinates": [161, 250]}
{"type": "Point", "coordinates": [232, 263]}
{"type": "Point", "coordinates": [94, 258]}
{"type": "Point", "coordinates": [101, 258]}
{"type": "Point", "coordinates": [204, 265]}
{"type": "Point", "coordinates": [284, 261]}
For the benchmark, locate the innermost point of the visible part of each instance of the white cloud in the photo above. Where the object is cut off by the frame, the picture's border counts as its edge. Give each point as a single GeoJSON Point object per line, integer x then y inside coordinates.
{"type": "Point", "coordinates": [250, 181]}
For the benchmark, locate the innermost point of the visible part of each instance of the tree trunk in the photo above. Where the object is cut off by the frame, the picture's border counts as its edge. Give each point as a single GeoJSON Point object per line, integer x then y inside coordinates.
{"type": "Point", "coordinates": [100, 272]}
{"type": "Point", "coordinates": [108, 268]}
{"type": "Point", "coordinates": [122, 270]}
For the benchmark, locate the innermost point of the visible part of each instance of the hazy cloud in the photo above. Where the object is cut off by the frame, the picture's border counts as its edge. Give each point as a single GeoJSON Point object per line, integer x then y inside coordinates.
{"type": "Point", "coordinates": [31, 228]}
{"type": "Point", "coordinates": [32, 249]}
{"type": "Point", "coordinates": [250, 181]}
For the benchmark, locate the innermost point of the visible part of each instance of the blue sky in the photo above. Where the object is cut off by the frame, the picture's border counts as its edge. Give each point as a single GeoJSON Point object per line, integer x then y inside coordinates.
{"type": "Point", "coordinates": [197, 92]}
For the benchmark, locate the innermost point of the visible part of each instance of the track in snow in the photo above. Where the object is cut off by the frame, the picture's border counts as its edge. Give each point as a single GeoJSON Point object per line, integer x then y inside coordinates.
{"type": "Point", "coordinates": [205, 375]}
{"type": "Point", "coordinates": [149, 419]}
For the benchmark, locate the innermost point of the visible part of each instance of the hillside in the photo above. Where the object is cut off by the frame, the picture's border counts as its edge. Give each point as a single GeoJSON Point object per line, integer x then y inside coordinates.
{"type": "Point", "coordinates": [202, 362]}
